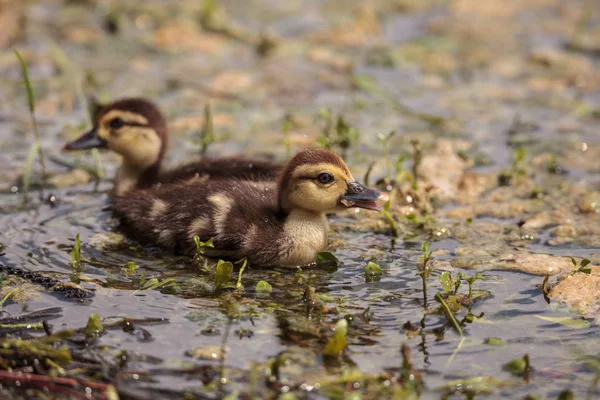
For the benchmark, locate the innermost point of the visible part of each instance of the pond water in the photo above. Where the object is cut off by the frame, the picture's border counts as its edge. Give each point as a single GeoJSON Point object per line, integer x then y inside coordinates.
{"type": "Point", "coordinates": [473, 82]}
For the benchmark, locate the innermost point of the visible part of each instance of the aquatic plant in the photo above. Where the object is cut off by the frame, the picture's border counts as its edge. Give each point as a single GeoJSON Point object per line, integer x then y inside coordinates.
{"type": "Point", "coordinates": [94, 326]}
{"type": "Point", "coordinates": [154, 283]}
{"type": "Point", "coordinates": [201, 248]}
{"type": "Point", "coordinates": [566, 394]}
{"type": "Point", "coordinates": [412, 383]}
{"type": "Point", "coordinates": [546, 289]}
{"type": "Point", "coordinates": [337, 343]}
{"type": "Point", "coordinates": [470, 280]}
{"type": "Point", "coordinates": [131, 268]}
{"type": "Point", "coordinates": [417, 155]}
{"type": "Point", "coordinates": [425, 269]}
{"type": "Point", "coordinates": [244, 262]}
{"type": "Point", "coordinates": [581, 268]}
{"type": "Point", "coordinates": [340, 133]}
{"type": "Point", "coordinates": [76, 253]}
{"type": "Point", "coordinates": [386, 214]}
{"type": "Point", "coordinates": [401, 172]}
{"type": "Point", "coordinates": [75, 76]}
{"type": "Point", "coordinates": [223, 273]}
{"type": "Point", "coordinates": [517, 169]}
{"type": "Point", "coordinates": [372, 272]}
{"type": "Point", "coordinates": [33, 150]}
{"type": "Point", "coordinates": [207, 132]}
{"type": "Point", "coordinates": [263, 288]}
{"type": "Point", "coordinates": [37, 145]}
{"type": "Point", "coordinates": [553, 167]}
{"type": "Point", "coordinates": [287, 125]}
{"type": "Point", "coordinates": [385, 139]}
{"type": "Point", "coordinates": [519, 367]}
{"type": "Point", "coordinates": [327, 261]}
{"type": "Point", "coordinates": [7, 296]}
{"type": "Point", "coordinates": [451, 301]}
{"type": "Point", "coordinates": [368, 84]}
{"type": "Point", "coordinates": [449, 314]}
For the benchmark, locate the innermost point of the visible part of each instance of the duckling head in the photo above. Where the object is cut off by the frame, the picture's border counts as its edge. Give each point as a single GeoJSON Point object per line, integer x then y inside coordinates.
{"type": "Point", "coordinates": [133, 128]}
{"type": "Point", "coordinates": [319, 181]}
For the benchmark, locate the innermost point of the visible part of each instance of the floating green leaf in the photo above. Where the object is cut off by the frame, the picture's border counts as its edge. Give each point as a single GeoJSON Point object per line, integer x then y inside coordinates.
{"type": "Point", "coordinates": [94, 325]}
{"type": "Point", "coordinates": [337, 343]}
{"type": "Point", "coordinates": [518, 366]}
{"type": "Point", "coordinates": [223, 273]}
{"type": "Point", "coordinates": [372, 272]}
{"type": "Point", "coordinates": [263, 288]}
{"type": "Point", "coordinates": [327, 260]}
{"type": "Point", "coordinates": [573, 323]}
{"type": "Point", "coordinates": [447, 282]}
{"type": "Point", "coordinates": [494, 341]}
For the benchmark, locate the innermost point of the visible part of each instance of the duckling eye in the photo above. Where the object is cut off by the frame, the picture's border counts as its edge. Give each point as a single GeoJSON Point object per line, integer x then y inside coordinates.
{"type": "Point", "coordinates": [325, 177]}
{"type": "Point", "coordinates": [116, 123]}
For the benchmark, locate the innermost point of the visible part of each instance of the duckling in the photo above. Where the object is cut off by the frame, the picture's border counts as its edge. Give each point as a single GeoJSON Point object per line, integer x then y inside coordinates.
{"type": "Point", "coordinates": [272, 223]}
{"type": "Point", "coordinates": [136, 129]}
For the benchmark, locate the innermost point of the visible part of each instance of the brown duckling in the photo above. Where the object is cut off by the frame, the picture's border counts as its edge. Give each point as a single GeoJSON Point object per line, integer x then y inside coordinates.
{"type": "Point", "coordinates": [273, 223]}
{"type": "Point", "coordinates": [136, 129]}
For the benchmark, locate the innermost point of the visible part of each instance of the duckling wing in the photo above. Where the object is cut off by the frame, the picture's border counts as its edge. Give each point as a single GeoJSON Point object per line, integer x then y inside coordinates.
{"type": "Point", "coordinates": [238, 215]}
{"type": "Point", "coordinates": [224, 168]}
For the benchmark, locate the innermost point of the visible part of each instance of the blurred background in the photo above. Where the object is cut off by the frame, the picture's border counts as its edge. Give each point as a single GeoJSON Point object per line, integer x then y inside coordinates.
{"type": "Point", "coordinates": [275, 72]}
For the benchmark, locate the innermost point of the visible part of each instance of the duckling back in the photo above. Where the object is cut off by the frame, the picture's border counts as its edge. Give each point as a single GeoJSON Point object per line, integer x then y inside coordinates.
{"type": "Point", "coordinates": [223, 168]}
{"type": "Point", "coordinates": [241, 216]}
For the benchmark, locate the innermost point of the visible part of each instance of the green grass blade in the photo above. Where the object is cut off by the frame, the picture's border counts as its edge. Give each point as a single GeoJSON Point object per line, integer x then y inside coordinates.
{"type": "Point", "coordinates": [70, 72]}
{"type": "Point", "coordinates": [33, 149]}
{"type": "Point", "coordinates": [31, 103]}
{"type": "Point", "coordinates": [76, 253]}
{"type": "Point", "coordinates": [98, 170]}
{"type": "Point", "coordinates": [27, 82]}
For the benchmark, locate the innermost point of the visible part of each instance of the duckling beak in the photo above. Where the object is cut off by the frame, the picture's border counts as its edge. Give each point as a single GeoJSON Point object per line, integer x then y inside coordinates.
{"type": "Point", "coordinates": [358, 195]}
{"type": "Point", "coordinates": [88, 140]}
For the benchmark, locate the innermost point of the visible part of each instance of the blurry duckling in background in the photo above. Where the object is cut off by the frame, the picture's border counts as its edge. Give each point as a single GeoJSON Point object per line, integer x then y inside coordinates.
{"type": "Point", "coordinates": [136, 129]}
{"type": "Point", "coordinates": [272, 223]}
